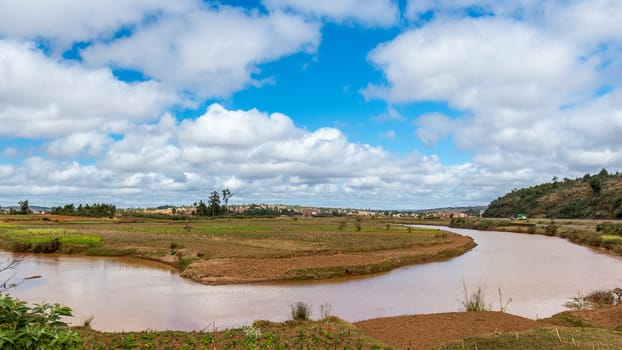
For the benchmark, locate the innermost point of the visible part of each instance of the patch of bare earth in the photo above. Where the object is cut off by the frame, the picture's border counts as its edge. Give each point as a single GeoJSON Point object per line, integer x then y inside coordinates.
{"type": "Point", "coordinates": [608, 318]}
{"type": "Point", "coordinates": [425, 331]}
{"type": "Point", "coordinates": [250, 270]}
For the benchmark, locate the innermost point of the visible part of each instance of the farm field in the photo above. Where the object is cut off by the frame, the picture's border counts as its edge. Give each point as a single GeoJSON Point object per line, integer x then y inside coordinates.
{"type": "Point", "coordinates": [234, 250]}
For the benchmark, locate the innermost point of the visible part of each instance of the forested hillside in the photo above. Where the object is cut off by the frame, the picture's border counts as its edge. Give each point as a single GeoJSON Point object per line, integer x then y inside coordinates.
{"type": "Point", "coordinates": [590, 197]}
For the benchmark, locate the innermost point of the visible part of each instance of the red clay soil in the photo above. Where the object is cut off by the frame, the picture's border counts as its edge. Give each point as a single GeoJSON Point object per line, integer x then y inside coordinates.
{"type": "Point", "coordinates": [608, 318]}
{"type": "Point", "coordinates": [425, 331]}
{"type": "Point", "coordinates": [249, 270]}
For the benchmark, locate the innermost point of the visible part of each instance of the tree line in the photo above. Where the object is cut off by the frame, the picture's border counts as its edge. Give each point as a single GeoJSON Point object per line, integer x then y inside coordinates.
{"type": "Point", "coordinates": [217, 205]}
{"type": "Point", "coordinates": [99, 210]}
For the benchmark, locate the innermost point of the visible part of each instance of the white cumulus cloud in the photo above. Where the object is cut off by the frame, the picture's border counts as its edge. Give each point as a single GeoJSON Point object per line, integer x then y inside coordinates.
{"type": "Point", "coordinates": [368, 12]}
{"type": "Point", "coordinates": [41, 97]}
{"type": "Point", "coordinates": [478, 64]}
{"type": "Point", "coordinates": [210, 52]}
{"type": "Point", "coordinates": [67, 21]}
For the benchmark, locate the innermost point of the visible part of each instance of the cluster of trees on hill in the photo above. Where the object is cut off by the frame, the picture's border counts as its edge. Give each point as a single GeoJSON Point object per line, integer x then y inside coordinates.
{"type": "Point", "coordinates": [596, 196]}
{"type": "Point", "coordinates": [95, 210]}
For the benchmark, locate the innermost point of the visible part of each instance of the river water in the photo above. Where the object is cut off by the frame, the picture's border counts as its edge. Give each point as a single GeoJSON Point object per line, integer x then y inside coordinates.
{"type": "Point", "coordinates": [538, 273]}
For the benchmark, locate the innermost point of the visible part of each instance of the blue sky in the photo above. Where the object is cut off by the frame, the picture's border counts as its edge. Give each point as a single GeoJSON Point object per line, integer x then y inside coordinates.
{"type": "Point", "coordinates": [356, 103]}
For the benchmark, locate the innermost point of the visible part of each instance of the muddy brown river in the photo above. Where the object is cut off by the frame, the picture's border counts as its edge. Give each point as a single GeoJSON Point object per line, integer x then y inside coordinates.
{"type": "Point", "coordinates": [538, 273]}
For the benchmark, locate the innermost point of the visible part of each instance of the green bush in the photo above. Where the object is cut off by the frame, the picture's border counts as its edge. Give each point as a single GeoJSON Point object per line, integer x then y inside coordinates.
{"type": "Point", "coordinates": [51, 246]}
{"type": "Point", "coordinates": [609, 228]}
{"type": "Point", "coordinates": [610, 241]}
{"type": "Point", "coordinates": [34, 327]}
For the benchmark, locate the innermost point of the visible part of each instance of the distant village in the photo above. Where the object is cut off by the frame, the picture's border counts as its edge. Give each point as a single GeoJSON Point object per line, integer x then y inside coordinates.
{"type": "Point", "coordinates": [281, 210]}
{"type": "Point", "coordinates": [302, 211]}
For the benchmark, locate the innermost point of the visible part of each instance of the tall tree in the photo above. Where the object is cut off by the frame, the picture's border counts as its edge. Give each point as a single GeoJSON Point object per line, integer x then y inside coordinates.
{"type": "Point", "coordinates": [202, 209]}
{"type": "Point", "coordinates": [226, 195]}
{"type": "Point", "coordinates": [596, 184]}
{"type": "Point", "coordinates": [24, 208]}
{"type": "Point", "coordinates": [214, 203]}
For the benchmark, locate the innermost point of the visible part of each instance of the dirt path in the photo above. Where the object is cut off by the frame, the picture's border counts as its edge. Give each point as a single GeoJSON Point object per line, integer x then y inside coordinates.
{"type": "Point", "coordinates": [424, 331]}
{"type": "Point", "coordinates": [236, 270]}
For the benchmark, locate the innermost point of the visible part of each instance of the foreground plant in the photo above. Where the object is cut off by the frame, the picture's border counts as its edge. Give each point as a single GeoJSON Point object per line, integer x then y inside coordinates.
{"type": "Point", "coordinates": [300, 311]}
{"type": "Point", "coordinates": [475, 301]}
{"type": "Point", "coordinates": [34, 327]}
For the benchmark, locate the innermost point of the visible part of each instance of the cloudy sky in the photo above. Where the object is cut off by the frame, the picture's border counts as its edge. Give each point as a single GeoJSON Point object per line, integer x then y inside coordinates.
{"type": "Point", "coordinates": [388, 104]}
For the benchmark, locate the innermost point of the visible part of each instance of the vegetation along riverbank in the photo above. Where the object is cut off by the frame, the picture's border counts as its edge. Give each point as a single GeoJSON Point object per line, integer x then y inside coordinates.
{"type": "Point", "coordinates": [604, 236]}
{"type": "Point", "coordinates": [585, 210]}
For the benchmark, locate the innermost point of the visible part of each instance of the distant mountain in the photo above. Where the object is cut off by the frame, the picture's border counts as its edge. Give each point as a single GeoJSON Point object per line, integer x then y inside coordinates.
{"type": "Point", "coordinates": [590, 197]}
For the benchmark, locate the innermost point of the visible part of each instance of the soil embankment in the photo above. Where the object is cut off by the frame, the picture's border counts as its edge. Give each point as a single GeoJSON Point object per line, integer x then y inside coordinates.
{"type": "Point", "coordinates": [315, 267]}
{"type": "Point", "coordinates": [610, 317]}
{"type": "Point", "coordinates": [425, 331]}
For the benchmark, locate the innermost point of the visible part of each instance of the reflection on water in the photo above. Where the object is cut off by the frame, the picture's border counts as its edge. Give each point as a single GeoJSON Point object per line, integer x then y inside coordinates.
{"type": "Point", "coordinates": [539, 273]}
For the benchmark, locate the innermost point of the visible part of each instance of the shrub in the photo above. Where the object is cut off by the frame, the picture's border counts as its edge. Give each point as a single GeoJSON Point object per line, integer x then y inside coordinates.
{"type": "Point", "coordinates": [34, 327]}
{"type": "Point", "coordinates": [576, 303]}
{"type": "Point", "coordinates": [300, 311]}
{"type": "Point", "coordinates": [610, 241]}
{"type": "Point", "coordinates": [597, 299]}
{"type": "Point", "coordinates": [601, 298]}
{"type": "Point", "coordinates": [551, 229]}
{"type": "Point", "coordinates": [47, 247]}
{"type": "Point", "coordinates": [21, 247]}
{"type": "Point", "coordinates": [609, 228]}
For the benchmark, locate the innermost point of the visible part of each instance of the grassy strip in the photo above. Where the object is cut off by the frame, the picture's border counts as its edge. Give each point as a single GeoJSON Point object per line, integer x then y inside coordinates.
{"type": "Point", "coordinates": [543, 338]}
{"type": "Point", "coordinates": [330, 333]}
{"type": "Point", "coordinates": [34, 236]}
{"type": "Point", "coordinates": [46, 240]}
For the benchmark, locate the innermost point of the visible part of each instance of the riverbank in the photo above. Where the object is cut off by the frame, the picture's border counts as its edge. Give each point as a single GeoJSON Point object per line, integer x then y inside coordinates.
{"type": "Point", "coordinates": [458, 330]}
{"type": "Point", "coordinates": [604, 236]}
{"type": "Point", "coordinates": [234, 251]}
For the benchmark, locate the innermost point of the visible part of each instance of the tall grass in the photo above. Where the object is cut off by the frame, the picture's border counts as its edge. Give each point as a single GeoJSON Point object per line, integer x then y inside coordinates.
{"type": "Point", "coordinates": [475, 301]}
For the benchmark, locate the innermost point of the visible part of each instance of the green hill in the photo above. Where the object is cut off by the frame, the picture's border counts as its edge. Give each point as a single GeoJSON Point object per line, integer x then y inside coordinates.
{"type": "Point", "coordinates": [590, 197]}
